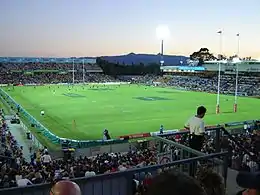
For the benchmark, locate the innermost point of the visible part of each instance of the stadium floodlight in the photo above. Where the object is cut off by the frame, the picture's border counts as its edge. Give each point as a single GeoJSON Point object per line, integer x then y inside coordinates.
{"type": "Point", "coordinates": [236, 61]}
{"type": "Point", "coordinates": [162, 33]}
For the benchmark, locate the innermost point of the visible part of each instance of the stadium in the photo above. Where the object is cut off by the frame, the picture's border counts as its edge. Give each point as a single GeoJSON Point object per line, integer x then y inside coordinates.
{"type": "Point", "coordinates": [129, 98]}
{"type": "Point", "coordinates": [80, 101]}
{"type": "Point", "coordinates": [74, 107]}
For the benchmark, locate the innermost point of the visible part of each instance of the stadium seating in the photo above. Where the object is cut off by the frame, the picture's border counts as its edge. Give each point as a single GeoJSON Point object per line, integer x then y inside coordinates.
{"type": "Point", "coordinates": [248, 85]}
{"type": "Point", "coordinates": [40, 73]}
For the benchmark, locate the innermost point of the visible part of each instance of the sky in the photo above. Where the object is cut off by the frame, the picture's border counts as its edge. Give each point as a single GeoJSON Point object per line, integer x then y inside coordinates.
{"type": "Point", "coordinates": [65, 28]}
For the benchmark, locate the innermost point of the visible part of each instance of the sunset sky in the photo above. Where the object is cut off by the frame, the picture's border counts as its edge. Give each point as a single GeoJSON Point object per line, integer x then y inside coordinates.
{"type": "Point", "coordinates": [64, 28]}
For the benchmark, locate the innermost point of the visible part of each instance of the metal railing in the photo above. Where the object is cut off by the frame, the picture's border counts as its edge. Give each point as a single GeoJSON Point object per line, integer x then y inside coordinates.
{"type": "Point", "coordinates": [217, 131]}
{"type": "Point", "coordinates": [120, 183]}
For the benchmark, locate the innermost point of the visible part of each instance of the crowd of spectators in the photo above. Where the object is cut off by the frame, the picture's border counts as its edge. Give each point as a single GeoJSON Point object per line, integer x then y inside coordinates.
{"type": "Point", "coordinates": [15, 171]}
{"type": "Point", "coordinates": [54, 78]}
{"type": "Point", "coordinates": [244, 148]}
{"type": "Point", "coordinates": [31, 66]}
{"type": "Point", "coordinates": [43, 169]}
{"type": "Point", "coordinates": [247, 85]}
{"type": "Point", "coordinates": [40, 73]}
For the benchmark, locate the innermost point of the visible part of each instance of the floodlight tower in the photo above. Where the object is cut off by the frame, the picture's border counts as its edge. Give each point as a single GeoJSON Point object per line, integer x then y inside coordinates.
{"type": "Point", "coordinates": [219, 72]}
{"type": "Point", "coordinates": [162, 33]}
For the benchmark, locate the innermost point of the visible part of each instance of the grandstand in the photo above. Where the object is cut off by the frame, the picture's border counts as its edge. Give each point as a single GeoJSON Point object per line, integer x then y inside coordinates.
{"type": "Point", "coordinates": [76, 115]}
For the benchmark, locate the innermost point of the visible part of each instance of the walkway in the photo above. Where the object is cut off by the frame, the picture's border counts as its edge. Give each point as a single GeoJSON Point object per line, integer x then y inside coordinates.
{"type": "Point", "coordinates": [19, 136]}
{"type": "Point", "coordinates": [232, 187]}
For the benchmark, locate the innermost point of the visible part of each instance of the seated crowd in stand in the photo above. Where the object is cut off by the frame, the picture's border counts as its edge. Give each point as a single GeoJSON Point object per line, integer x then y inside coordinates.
{"type": "Point", "coordinates": [248, 85]}
{"type": "Point", "coordinates": [239, 159]}
{"type": "Point", "coordinates": [47, 77]}
{"type": "Point", "coordinates": [15, 171]}
{"type": "Point", "coordinates": [30, 66]}
{"type": "Point", "coordinates": [12, 73]}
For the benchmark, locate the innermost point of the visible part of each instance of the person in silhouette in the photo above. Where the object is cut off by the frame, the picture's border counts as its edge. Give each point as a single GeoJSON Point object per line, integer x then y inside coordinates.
{"type": "Point", "coordinates": [250, 181]}
{"type": "Point", "coordinates": [174, 183]}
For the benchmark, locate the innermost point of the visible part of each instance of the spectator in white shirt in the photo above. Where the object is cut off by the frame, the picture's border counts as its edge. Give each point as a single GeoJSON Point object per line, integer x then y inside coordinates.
{"type": "Point", "coordinates": [245, 127]}
{"type": "Point", "coordinates": [122, 167]}
{"type": "Point", "coordinates": [197, 128]}
{"type": "Point", "coordinates": [90, 173]}
{"type": "Point", "coordinates": [46, 158]}
{"type": "Point", "coordinates": [23, 182]}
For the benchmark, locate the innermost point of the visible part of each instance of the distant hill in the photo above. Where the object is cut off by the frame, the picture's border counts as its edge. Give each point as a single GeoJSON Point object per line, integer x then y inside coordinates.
{"type": "Point", "coordinates": [146, 59]}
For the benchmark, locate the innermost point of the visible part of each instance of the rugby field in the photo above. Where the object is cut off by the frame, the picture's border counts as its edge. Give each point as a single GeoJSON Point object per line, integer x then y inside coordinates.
{"type": "Point", "coordinates": [125, 109]}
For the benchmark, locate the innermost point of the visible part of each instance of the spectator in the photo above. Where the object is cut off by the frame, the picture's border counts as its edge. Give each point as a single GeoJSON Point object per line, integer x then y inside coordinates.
{"type": "Point", "coordinates": [249, 181]}
{"type": "Point", "coordinates": [23, 182]}
{"type": "Point", "coordinates": [173, 183]}
{"type": "Point", "coordinates": [197, 129]}
{"type": "Point", "coordinates": [90, 173]}
{"type": "Point", "coordinates": [211, 182]}
{"type": "Point", "coordinates": [46, 158]}
{"type": "Point", "coordinates": [37, 178]}
{"type": "Point", "coordinates": [65, 188]}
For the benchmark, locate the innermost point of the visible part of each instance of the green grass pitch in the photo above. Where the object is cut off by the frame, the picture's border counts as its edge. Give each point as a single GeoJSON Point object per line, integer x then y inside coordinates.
{"type": "Point", "coordinates": [125, 109]}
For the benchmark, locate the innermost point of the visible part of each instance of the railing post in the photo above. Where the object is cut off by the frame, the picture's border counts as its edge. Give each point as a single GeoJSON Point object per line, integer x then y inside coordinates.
{"type": "Point", "coordinates": [218, 139]}
{"type": "Point", "coordinates": [225, 170]}
{"type": "Point", "coordinates": [129, 185]}
{"type": "Point", "coordinates": [182, 157]}
{"type": "Point", "coordinates": [160, 146]}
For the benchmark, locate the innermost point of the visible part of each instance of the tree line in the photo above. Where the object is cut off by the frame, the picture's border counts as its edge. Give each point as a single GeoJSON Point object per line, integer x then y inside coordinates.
{"type": "Point", "coordinates": [115, 69]}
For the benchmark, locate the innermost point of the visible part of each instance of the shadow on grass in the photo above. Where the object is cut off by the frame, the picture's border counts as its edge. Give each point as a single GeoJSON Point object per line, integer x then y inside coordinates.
{"type": "Point", "coordinates": [166, 92]}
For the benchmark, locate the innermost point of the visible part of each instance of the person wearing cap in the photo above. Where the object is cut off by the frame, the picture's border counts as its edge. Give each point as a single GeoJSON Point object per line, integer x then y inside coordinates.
{"type": "Point", "coordinates": [250, 181]}
{"type": "Point", "coordinates": [197, 128]}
